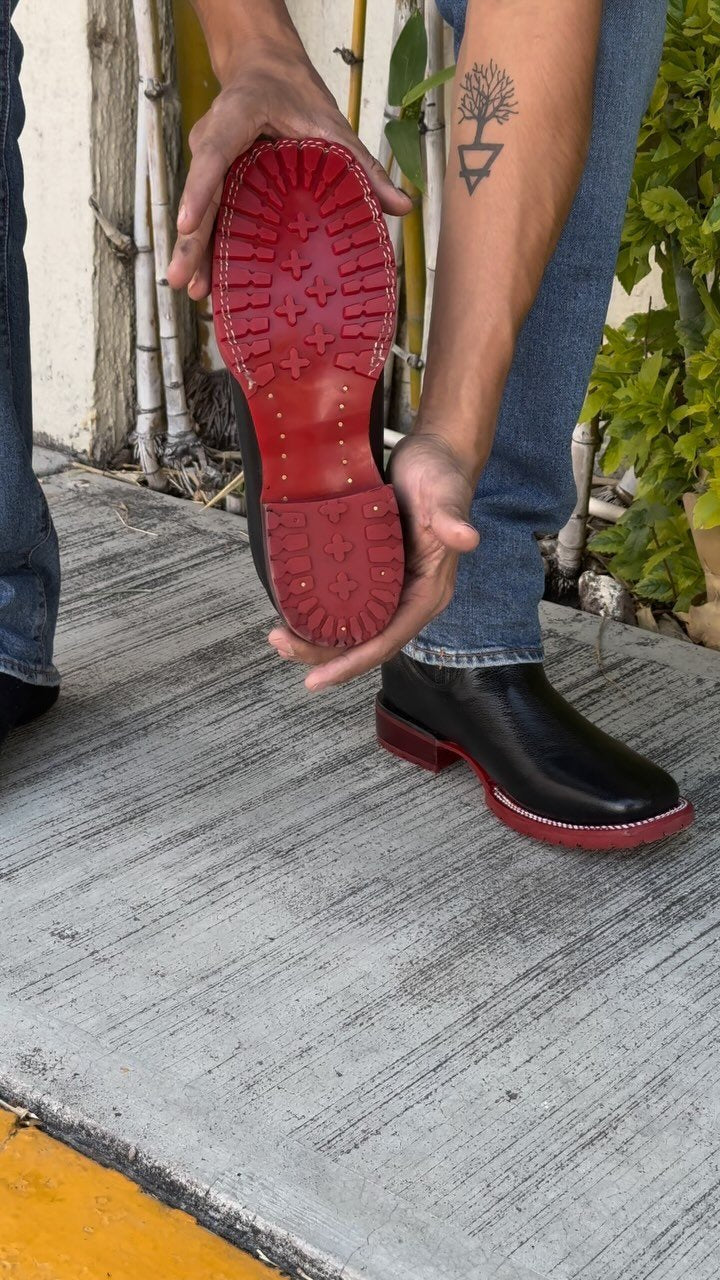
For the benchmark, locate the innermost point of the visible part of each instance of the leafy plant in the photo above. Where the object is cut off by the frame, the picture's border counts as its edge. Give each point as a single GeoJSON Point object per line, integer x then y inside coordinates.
{"type": "Point", "coordinates": [656, 382]}
{"type": "Point", "coordinates": [406, 89]}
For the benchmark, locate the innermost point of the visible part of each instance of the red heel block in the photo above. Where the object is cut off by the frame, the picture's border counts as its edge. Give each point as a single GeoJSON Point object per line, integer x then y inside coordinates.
{"type": "Point", "coordinates": [410, 742]}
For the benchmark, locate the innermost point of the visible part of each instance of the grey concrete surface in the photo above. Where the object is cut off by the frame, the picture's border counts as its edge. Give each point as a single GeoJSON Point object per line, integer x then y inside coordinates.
{"type": "Point", "coordinates": [323, 999]}
{"type": "Point", "coordinates": [49, 462]}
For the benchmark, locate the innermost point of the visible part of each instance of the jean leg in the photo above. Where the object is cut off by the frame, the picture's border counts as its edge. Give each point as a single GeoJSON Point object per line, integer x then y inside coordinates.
{"type": "Point", "coordinates": [29, 565]}
{"type": "Point", "coordinates": [527, 486]}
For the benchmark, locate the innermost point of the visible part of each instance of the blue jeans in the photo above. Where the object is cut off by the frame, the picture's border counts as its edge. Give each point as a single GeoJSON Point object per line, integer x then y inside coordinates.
{"type": "Point", "coordinates": [29, 565]}
{"type": "Point", "coordinates": [527, 486]}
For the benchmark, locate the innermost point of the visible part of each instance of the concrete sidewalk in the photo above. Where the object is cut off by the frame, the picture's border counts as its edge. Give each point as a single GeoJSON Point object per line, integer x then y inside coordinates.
{"type": "Point", "coordinates": [322, 999]}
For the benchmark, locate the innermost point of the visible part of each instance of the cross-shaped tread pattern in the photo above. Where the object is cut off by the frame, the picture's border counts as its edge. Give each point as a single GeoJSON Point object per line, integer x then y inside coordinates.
{"type": "Point", "coordinates": [304, 298]}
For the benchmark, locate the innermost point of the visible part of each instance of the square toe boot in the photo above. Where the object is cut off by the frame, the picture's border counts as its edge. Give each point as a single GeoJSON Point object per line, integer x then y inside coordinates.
{"type": "Point", "coordinates": [546, 771]}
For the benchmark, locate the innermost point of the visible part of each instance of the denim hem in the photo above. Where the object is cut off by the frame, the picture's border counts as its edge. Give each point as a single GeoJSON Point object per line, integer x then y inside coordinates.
{"type": "Point", "coordinates": [47, 520]}
{"type": "Point", "coordinates": [47, 676]}
{"type": "Point", "coordinates": [435, 657]}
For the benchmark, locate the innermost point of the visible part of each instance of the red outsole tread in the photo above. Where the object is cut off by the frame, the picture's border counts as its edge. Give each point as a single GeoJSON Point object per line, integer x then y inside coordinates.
{"type": "Point", "coordinates": [304, 295]}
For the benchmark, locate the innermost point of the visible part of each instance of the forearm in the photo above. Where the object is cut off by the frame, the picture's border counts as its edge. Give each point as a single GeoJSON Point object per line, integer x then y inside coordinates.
{"type": "Point", "coordinates": [228, 24]}
{"type": "Point", "coordinates": [499, 230]}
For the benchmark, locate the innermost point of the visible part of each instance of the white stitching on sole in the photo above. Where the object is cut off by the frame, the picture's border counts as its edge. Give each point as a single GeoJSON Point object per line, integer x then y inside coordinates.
{"type": "Point", "coordinates": [572, 826]}
{"type": "Point", "coordinates": [377, 359]}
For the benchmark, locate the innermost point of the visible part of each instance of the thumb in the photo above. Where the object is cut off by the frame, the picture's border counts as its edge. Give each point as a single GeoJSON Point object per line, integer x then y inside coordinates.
{"type": "Point", "coordinates": [392, 199]}
{"type": "Point", "coordinates": [453, 530]}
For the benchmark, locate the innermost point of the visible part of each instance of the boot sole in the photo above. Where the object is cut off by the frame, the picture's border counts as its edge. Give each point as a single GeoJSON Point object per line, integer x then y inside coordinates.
{"type": "Point", "coordinates": [304, 301]}
{"type": "Point", "coordinates": [408, 741]}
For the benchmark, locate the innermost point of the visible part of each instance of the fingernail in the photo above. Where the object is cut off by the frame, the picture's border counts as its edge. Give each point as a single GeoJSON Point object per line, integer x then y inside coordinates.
{"type": "Point", "coordinates": [182, 212]}
{"type": "Point", "coordinates": [317, 684]}
{"type": "Point", "coordinates": [281, 644]}
{"type": "Point", "coordinates": [193, 282]}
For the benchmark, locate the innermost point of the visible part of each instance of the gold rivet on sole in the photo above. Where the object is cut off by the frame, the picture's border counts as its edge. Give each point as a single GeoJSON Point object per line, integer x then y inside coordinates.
{"type": "Point", "coordinates": [284, 499]}
{"type": "Point", "coordinates": [270, 395]}
{"type": "Point", "coordinates": [303, 584]}
{"type": "Point", "coordinates": [376, 508]}
{"type": "Point", "coordinates": [349, 481]}
{"type": "Point", "coordinates": [283, 477]}
{"type": "Point", "coordinates": [346, 388]}
{"type": "Point", "coordinates": [341, 441]}
{"type": "Point", "coordinates": [341, 424]}
{"type": "Point", "coordinates": [282, 435]}
{"type": "Point", "coordinates": [279, 415]}
{"type": "Point", "coordinates": [344, 462]}
{"type": "Point", "coordinates": [341, 406]}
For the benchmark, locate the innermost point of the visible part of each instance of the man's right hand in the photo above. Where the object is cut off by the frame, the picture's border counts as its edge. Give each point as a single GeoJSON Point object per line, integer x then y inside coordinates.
{"type": "Point", "coordinates": [269, 88]}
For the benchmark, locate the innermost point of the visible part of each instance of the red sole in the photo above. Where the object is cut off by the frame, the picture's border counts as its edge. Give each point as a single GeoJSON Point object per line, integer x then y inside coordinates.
{"type": "Point", "coordinates": [412, 743]}
{"type": "Point", "coordinates": [304, 297]}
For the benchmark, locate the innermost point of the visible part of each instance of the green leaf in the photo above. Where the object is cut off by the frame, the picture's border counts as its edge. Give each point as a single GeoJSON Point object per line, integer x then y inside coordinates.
{"type": "Point", "coordinates": [404, 138]}
{"type": "Point", "coordinates": [707, 511]}
{"type": "Point", "coordinates": [432, 82]}
{"type": "Point", "coordinates": [707, 302]}
{"type": "Point", "coordinates": [706, 186]}
{"type": "Point", "coordinates": [594, 402]}
{"type": "Point", "coordinates": [650, 371]}
{"type": "Point", "coordinates": [408, 60]}
{"type": "Point", "coordinates": [712, 221]}
{"type": "Point", "coordinates": [668, 208]}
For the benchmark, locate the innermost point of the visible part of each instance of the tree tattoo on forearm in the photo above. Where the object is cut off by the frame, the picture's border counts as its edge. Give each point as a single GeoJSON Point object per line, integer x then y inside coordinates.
{"type": "Point", "coordinates": [488, 94]}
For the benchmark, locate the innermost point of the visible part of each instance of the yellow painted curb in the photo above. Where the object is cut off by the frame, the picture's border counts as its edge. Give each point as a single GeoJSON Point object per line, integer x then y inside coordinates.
{"type": "Point", "coordinates": [63, 1217]}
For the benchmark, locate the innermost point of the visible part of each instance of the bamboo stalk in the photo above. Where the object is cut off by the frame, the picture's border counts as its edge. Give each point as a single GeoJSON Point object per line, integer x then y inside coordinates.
{"type": "Point", "coordinates": [435, 157]}
{"type": "Point", "coordinates": [198, 87]}
{"type": "Point", "coordinates": [357, 50]}
{"type": "Point", "coordinates": [414, 262]}
{"type": "Point", "coordinates": [396, 226]}
{"type": "Point", "coordinates": [149, 422]}
{"type": "Point", "coordinates": [181, 435]}
{"type": "Point", "coordinates": [605, 510]}
{"type": "Point", "coordinates": [395, 231]}
{"type": "Point", "coordinates": [391, 438]}
{"type": "Point", "coordinates": [197, 83]}
{"type": "Point", "coordinates": [626, 487]}
{"type": "Point", "coordinates": [572, 537]}
{"type": "Point", "coordinates": [207, 385]}
{"type": "Point", "coordinates": [385, 155]}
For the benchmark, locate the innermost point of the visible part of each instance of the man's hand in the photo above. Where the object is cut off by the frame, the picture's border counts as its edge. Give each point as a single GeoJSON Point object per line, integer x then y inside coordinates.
{"type": "Point", "coordinates": [269, 87]}
{"type": "Point", "coordinates": [434, 490]}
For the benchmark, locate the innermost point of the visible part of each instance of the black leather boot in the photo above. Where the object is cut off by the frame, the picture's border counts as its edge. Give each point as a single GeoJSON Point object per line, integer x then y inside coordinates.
{"type": "Point", "coordinates": [21, 702]}
{"type": "Point", "coordinates": [546, 770]}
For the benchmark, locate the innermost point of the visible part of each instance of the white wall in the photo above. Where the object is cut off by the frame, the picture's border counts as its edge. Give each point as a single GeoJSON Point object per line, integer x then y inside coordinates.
{"type": "Point", "coordinates": [56, 151]}
{"type": "Point", "coordinates": [648, 293]}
